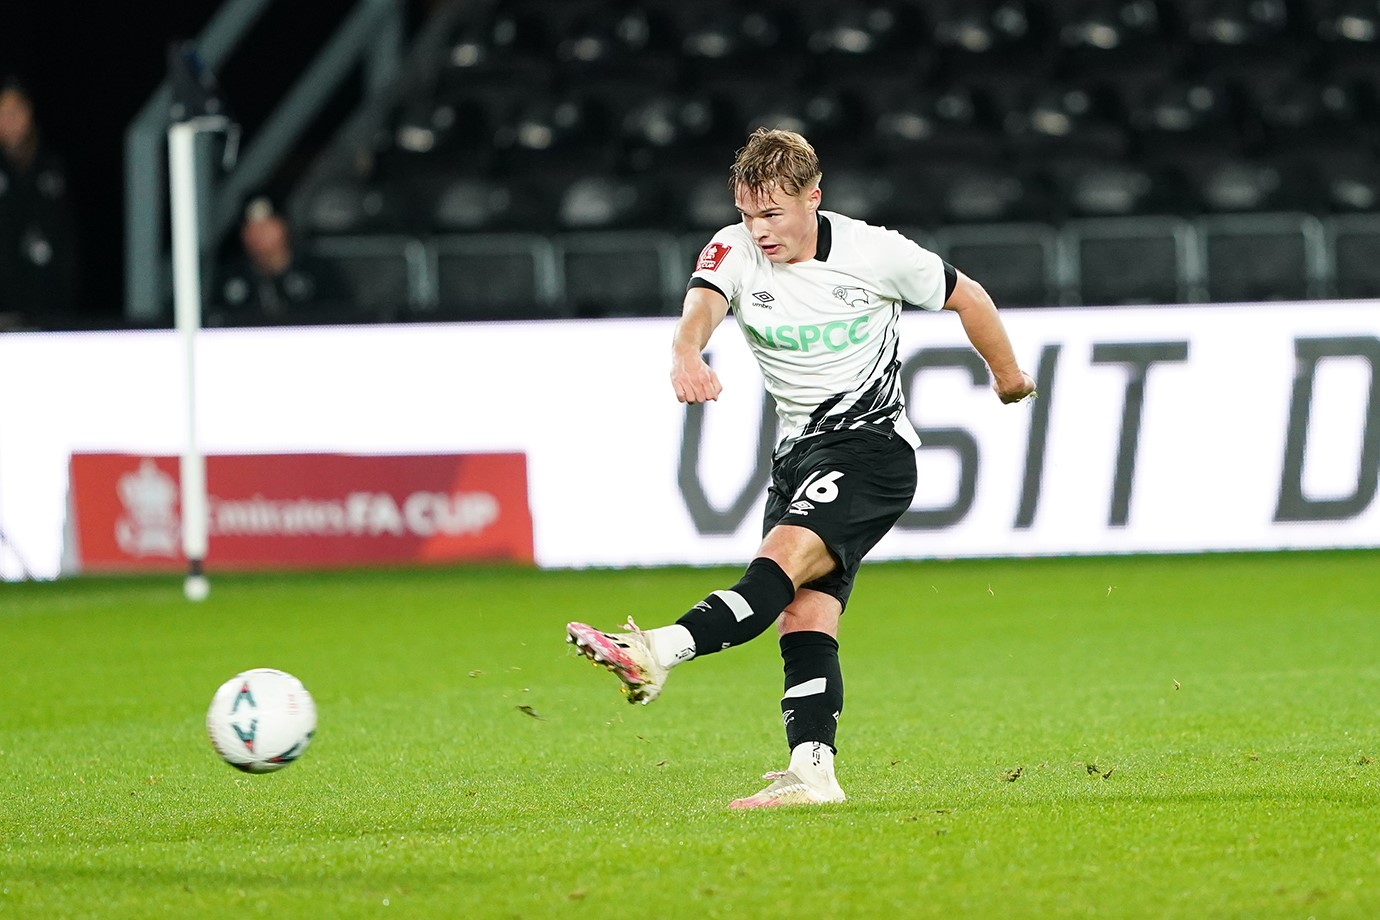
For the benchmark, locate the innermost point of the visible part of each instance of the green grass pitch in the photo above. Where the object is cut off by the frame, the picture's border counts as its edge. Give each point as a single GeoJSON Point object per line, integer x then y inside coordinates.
{"type": "Point", "coordinates": [1187, 736]}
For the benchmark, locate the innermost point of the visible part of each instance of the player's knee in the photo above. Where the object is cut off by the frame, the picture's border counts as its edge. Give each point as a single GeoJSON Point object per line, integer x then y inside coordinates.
{"type": "Point", "coordinates": [814, 613]}
{"type": "Point", "coordinates": [801, 553]}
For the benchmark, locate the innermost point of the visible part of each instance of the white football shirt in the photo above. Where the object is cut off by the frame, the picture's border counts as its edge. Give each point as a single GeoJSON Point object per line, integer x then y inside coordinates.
{"type": "Point", "coordinates": [824, 331]}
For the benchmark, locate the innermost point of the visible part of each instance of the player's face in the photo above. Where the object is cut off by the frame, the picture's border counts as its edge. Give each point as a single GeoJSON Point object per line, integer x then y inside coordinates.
{"type": "Point", "coordinates": [783, 226]}
{"type": "Point", "coordinates": [266, 242]}
{"type": "Point", "coordinates": [16, 118]}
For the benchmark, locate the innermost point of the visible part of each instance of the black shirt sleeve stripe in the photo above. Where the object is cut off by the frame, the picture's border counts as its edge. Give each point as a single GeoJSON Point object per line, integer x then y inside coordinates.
{"type": "Point", "coordinates": [701, 283]}
{"type": "Point", "coordinates": [950, 281]}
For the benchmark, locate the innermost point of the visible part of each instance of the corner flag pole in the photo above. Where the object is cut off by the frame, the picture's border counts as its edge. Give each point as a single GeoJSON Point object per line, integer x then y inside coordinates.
{"type": "Point", "coordinates": [196, 108]}
{"type": "Point", "coordinates": [186, 241]}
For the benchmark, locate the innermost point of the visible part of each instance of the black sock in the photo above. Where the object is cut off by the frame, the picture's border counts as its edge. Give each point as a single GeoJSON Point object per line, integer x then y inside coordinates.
{"type": "Point", "coordinates": [814, 688]}
{"type": "Point", "coordinates": [743, 612]}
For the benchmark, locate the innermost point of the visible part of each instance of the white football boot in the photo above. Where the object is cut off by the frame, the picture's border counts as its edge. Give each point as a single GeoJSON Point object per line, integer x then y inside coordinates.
{"type": "Point", "coordinates": [809, 780]}
{"type": "Point", "coordinates": [628, 655]}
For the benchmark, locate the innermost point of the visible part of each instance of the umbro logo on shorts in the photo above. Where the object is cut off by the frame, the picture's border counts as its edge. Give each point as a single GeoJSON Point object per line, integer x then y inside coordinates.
{"type": "Point", "coordinates": [801, 507]}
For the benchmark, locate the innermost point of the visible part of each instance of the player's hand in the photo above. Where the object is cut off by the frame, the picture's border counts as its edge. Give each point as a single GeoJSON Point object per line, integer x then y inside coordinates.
{"type": "Point", "coordinates": [694, 380]}
{"type": "Point", "coordinates": [1014, 389]}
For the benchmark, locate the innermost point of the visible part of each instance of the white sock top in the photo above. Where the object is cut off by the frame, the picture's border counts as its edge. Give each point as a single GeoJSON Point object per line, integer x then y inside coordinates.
{"type": "Point", "coordinates": [813, 761]}
{"type": "Point", "coordinates": [672, 645]}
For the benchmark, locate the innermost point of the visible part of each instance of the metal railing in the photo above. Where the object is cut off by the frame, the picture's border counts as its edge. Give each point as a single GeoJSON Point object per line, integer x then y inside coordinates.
{"type": "Point", "coordinates": [371, 35]}
{"type": "Point", "coordinates": [1089, 262]}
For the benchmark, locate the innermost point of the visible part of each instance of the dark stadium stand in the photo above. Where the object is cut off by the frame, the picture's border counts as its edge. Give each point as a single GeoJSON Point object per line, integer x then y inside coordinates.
{"type": "Point", "coordinates": [568, 157]}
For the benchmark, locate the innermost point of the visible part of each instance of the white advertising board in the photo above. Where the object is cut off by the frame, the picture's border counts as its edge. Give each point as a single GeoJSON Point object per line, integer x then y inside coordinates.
{"type": "Point", "coordinates": [1164, 429]}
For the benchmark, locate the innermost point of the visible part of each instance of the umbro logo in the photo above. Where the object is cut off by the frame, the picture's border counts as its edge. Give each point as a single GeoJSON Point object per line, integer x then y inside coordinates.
{"type": "Point", "coordinates": [801, 507]}
{"type": "Point", "coordinates": [763, 298]}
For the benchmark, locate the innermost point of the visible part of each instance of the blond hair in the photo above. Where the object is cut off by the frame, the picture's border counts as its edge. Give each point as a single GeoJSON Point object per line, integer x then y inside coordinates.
{"type": "Point", "coordinates": [774, 159]}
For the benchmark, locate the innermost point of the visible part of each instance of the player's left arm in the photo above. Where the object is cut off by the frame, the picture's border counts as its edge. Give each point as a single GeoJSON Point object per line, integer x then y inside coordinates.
{"type": "Point", "coordinates": [691, 376]}
{"type": "Point", "coordinates": [984, 329]}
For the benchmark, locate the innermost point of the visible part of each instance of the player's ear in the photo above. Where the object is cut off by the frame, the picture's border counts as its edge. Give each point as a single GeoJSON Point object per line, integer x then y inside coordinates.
{"type": "Point", "coordinates": [814, 198]}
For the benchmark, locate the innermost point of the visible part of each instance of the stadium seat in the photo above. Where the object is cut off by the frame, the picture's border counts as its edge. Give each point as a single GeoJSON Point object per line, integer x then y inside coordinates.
{"type": "Point", "coordinates": [1351, 179]}
{"type": "Point", "coordinates": [1016, 264]}
{"type": "Point", "coordinates": [895, 195]}
{"type": "Point", "coordinates": [981, 26]}
{"type": "Point", "coordinates": [601, 202]}
{"type": "Point", "coordinates": [1354, 241]}
{"type": "Point", "coordinates": [621, 274]}
{"type": "Point", "coordinates": [1229, 184]}
{"type": "Point", "coordinates": [376, 272]}
{"type": "Point", "coordinates": [706, 201]}
{"type": "Point", "coordinates": [1234, 39]}
{"type": "Point", "coordinates": [1101, 187]}
{"type": "Point", "coordinates": [487, 204]}
{"type": "Point", "coordinates": [493, 276]}
{"type": "Point", "coordinates": [1100, 38]}
{"type": "Point", "coordinates": [860, 31]}
{"type": "Point", "coordinates": [566, 131]}
{"type": "Point", "coordinates": [422, 127]}
{"type": "Point", "coordinates": [616, 52]}
{"type": "Point", "coordinates": [1057, 122]}
{"type": "Point", "coordinates": [498, 46]}
{"type": "Point", "coordinates": [833, 120]}
{"type": "Point", "coordinates": [1300, 116]}
{"type": "Point", "coordinates": [349, 206]}
{"type": "Point", "coordinates": [1349, 31]}
{"type": "Point", "coordinates": [722, 46]}
{"type": "Point", "coordinates": [1235, 23]}
{"type": "Point", "coordinates": [857, 40]}
{"type": "Point", "coordinates": [863, 194]}
{"type": "Point", "coordinates": [996, 44]}
{"type": "Point", "coordinates": [600, 35]}
{"type": "Point", "coordinates": [974, 194]}
{"type": "Point", "coordinates": [954, 124]}
{"type": "Point", "coordinates": [672, 134]}
{"type": "Point", "coordinates": [1182, 117]}
{"type": "Point", "coordinates": [468, 204]}
{"type": "Point", "coordinates": [1262, 257]}
{"type": "Point", "coordinates": [1138, 261]}
{"type": "Point", "coordinates": [678, 119]}
{"type": "Point", "coordinates": [1356, 21]}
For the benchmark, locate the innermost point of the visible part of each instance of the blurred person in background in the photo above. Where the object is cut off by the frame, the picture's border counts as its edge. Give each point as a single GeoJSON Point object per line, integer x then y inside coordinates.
{"type": "Point", "coordinates": [818, 297]}
{"type": "Point", "coordinates": [269, 282]}
{"type": "Point", "coordinates": [39, 269]}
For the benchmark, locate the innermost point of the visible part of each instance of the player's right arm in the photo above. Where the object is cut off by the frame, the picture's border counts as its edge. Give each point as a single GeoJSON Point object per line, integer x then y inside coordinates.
{"type": "Point", "coordinates": [920, 277]}
{"type": "Point", "coordinates": [691, 376]}
{"type": "Point", "coordinates": [984, 329]}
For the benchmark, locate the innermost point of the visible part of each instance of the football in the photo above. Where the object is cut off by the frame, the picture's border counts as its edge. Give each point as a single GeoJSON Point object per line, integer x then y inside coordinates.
{"type": "Point", "coordinates": [261, 720]}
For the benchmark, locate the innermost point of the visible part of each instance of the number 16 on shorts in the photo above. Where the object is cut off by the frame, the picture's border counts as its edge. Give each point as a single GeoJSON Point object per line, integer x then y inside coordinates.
{"type": "Point", "coordinates": [819, 488]}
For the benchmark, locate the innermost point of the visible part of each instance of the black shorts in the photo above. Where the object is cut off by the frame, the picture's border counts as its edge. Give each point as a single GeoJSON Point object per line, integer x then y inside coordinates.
{"type": "Point", "coordinates": [849, 488]}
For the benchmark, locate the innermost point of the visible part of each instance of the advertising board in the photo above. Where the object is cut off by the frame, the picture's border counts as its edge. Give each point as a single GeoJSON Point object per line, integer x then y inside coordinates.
{"type": "Point", "coordinates": [1157, 429]}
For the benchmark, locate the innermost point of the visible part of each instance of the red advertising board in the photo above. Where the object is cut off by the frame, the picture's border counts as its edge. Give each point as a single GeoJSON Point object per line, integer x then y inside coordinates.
{"type": "Point", "coordinates": [303, 510]}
